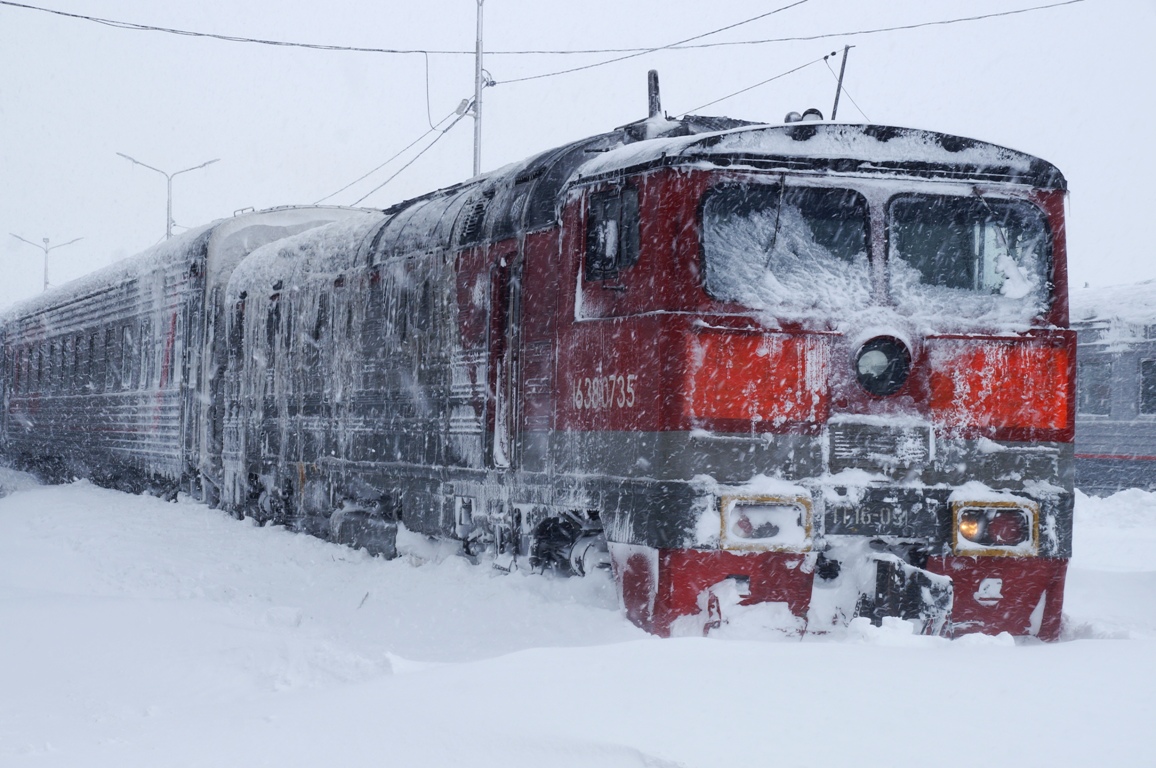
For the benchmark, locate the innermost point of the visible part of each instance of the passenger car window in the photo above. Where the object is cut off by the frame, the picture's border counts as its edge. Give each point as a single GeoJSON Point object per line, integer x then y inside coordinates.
{"type": "Point", "coordinates": [1148, 387]}
{"type": "Point", "coordinates": [1094, 388]}
{"type": "Point", "coordinates": [612, 238]}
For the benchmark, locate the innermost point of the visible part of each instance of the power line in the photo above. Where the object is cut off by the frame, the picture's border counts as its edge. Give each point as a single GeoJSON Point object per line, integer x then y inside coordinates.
{"type": "Point", "coordinates": [392, 157]}
{"type": "Point", "coordinates": [899, 28]}
{"type": "Point", "coordinates": [659, 48]}
{"type": "Point", "coordinates": [752, 87]}
{"type": "Point", "coordinates": [132, 26]}
{"type": "Point", "coordinates": [227, 38]}
{"type": "Point", "coordinates": [412, 160]}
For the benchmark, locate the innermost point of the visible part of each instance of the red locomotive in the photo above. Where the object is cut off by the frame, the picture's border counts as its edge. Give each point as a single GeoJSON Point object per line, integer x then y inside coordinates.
{"type": "Point", "coordinates": [787, 374]}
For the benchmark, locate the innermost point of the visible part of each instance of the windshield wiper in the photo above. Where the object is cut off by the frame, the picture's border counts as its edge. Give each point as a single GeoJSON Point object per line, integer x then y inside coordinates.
{"type": "Point", "coordinates": [778, 217]}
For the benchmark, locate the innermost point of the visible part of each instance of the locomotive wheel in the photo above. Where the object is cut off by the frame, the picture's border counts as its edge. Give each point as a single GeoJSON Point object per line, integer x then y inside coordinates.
{"type": "Point", "coordinates": [589, 554]}
{"type": "Point", "coordinates": [267, 508]}
{"type": "Point", "coordinates": [563, 544]}
{"type": "Point", "coordinates": [552, 542]}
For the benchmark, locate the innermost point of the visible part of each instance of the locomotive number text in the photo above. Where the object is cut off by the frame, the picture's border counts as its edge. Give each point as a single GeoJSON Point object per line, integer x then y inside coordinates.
{"type": "Point", "coordinates": [872, 516]}
{"type": "Point", "coordinates": [601, 392]}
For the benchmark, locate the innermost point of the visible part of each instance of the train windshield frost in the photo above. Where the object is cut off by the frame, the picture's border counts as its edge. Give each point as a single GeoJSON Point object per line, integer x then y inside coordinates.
{"type": "Point", "coordinates": [802, 248]}
{"type": "Point", "coordinates": [971, 256]}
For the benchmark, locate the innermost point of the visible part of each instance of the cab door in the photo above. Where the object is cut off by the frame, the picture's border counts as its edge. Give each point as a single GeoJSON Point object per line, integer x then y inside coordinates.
{"type": "Point", "coordinates": [505, 348]}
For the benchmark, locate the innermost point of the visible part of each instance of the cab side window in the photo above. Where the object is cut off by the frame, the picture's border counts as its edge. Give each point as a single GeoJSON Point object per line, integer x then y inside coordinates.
{"type": "Point", "coordinates": [611, 233]}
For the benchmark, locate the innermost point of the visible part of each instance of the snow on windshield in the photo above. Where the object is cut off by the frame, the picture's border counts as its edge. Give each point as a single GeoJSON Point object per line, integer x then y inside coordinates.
{"type": "Point", "coordinates": [968, 257]}
{"type": "Point", "coordinates": [798, 249]}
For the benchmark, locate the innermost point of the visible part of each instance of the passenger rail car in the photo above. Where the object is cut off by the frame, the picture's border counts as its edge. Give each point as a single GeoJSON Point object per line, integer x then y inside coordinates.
{"type": "Point", "coordinates": [780, 374]}
{"type": "Point", "coordinates": [116, 376]}
{"type": "Point", "coordinates": [1116, 397]}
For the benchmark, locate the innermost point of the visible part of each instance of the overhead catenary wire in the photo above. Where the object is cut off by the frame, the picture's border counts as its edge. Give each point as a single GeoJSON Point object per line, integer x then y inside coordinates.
{"type": "Point", "coordinates": [752, 87]}
{"type": "Point", "coordinates": [413, 159]}
{"type": "Point", "coordinates": [797, 38]}
{"type": "Point", "coordinates": [389, 160]}
{"type": "Point", "coordinates": [132, 26]}
{"type": "Point", "coordinates": [645, 51]}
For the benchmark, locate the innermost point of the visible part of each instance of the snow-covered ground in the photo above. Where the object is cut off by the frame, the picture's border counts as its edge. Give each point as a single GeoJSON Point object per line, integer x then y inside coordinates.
{"type": "Point", "coordinates": [139, 633]}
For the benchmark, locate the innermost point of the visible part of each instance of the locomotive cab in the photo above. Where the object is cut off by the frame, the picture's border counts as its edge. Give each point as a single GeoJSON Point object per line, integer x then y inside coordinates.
{"type": "Point", "coordinates": [828, 369]}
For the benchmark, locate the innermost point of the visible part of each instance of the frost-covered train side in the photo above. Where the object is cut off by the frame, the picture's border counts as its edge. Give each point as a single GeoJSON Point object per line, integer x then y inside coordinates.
{"type": "Point", "coordinates": [115, 376]}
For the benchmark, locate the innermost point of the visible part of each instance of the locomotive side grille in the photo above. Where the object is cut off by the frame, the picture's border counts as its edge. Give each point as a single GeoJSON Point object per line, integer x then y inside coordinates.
{"type": "Point", "coordinates": [878, 448]}
{"type": "Point", "coordinates": [467, 391]}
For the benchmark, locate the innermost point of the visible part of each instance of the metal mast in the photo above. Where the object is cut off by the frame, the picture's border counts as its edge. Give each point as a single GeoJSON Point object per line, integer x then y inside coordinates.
{"type": "Point", "coordinates": [478, 96]}
{"type": "Point", "coordinates": [839, 87]}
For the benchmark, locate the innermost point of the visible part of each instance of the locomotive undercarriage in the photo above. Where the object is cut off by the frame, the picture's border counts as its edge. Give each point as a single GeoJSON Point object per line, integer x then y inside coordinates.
{"type": "Point", "coordinates": [878, 540]}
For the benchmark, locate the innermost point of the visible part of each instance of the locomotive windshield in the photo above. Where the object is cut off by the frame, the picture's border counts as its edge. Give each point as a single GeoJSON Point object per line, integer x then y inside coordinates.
{"type": "Point", "coordinates": [775, 246]}
{"type": "Point", "coordinates": [971, 255]}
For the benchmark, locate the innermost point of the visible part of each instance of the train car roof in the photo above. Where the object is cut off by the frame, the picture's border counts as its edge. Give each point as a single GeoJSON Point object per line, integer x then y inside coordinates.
{"type": "Point", "coordinates": [222, 243]}
{"type": "Point", "coordinates": [321, 252]}
{"type": "Point", "coordinates": [1133, 305]}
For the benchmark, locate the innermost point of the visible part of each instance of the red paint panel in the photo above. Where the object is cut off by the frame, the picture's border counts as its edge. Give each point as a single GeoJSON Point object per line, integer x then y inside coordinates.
{"type": "Point", "coordinates": [611, 377]}
{"type": "Point", "coordinates": [1023, 583]}
{"type": "Point", "coordinates": [763, 381]}
{"type": "Point", "coordinates": [683, 574]}
{"type": "Point", "coordinates": [1052, 201]}
{"type": "Point", "coordinates": [1011, 389]}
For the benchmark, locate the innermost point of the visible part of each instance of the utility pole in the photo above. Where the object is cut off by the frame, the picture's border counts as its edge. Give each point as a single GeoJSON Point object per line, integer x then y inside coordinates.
{"type": "Point", "coordinates": [839, 87]}
{"type": "Point", "coordinates": [478, 96]}
{"type": "Point", "coordinates": [46, 248]}
{"type": "Point", "coordinates": [169, 178]}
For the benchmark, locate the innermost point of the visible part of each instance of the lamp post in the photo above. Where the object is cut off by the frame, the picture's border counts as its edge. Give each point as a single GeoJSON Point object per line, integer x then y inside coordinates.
{"type": "Point", "coordinates": [169, 178]}
{"type": "Point", "coordinates": [46, 248]}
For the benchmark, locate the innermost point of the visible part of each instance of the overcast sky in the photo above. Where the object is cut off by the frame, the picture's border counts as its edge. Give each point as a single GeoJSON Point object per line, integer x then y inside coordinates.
{"type": "Point", "coordinates": [1073, 85]}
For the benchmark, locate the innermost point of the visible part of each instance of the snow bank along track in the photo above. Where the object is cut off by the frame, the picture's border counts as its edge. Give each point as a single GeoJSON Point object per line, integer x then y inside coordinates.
{"type": "Point", "coordinates": [787, 374]}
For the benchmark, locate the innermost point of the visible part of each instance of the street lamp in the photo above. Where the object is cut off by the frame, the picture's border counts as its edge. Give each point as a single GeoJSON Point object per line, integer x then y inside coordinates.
{"type": "Point", "coordinates": [169, 178]}
{"type": "Point", "coordinates": [46, 248]}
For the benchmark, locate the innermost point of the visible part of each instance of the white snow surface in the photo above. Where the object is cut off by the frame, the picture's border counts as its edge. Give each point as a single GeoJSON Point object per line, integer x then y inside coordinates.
{"type": "Point", "coordinates": [134, 632]}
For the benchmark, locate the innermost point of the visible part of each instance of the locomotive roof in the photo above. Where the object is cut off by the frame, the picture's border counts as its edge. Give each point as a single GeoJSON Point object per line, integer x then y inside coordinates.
{"type": "Point", "coordinates": [525, 196]}
{"type": "Point", "coordinates": [836, 148]}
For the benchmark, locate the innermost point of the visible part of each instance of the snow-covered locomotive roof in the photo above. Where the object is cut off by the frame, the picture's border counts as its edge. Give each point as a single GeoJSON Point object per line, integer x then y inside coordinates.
{"type": "Point", "coordinates": [832, 148]}
{"type": "Point", "coordinates": [526, 195]}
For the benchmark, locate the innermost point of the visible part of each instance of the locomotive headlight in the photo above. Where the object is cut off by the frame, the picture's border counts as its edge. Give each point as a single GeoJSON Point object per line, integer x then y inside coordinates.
{"type": "Point", "coordinates": [996, 528]}
{"type": "Point", "coordinates": [882, 365]}
{"type": "Point", "coordinates": [971, 525]}
{"type": "Point", "coordinates": [766, 523]}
